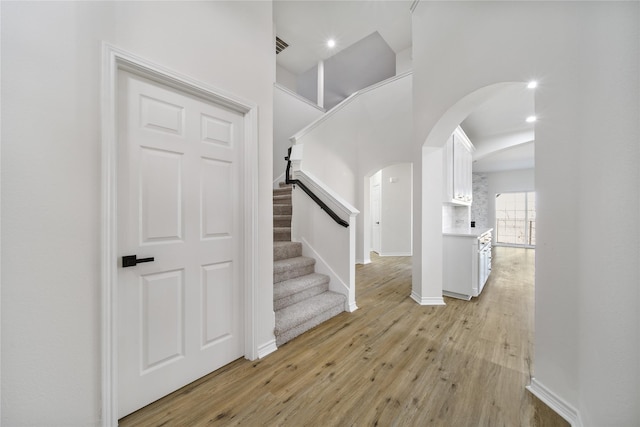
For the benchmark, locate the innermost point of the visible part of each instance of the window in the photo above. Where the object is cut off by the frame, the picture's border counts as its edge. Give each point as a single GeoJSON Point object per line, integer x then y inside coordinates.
{"type": "Point", "coordinates": [516, 219]}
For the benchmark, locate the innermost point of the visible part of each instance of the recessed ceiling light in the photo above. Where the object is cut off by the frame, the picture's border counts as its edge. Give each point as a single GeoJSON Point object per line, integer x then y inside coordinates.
{"type": "Point", "coordinates": [531, 119]}
{"type": "Point", "coordinates": [532, 84]}
{"type": "Point", "coordinates": [331, 43]}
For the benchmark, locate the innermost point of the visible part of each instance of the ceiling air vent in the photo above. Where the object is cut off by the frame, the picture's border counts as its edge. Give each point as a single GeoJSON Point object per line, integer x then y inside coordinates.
{"type": "Point", "coordinates": [280, 45]}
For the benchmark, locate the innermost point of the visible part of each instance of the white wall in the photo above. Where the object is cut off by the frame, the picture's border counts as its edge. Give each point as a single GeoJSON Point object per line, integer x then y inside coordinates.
{"type": "Point", "coordinates": [396, 210]}
{"type": "Point", "coordinates": [358, 138]}
{"type": "Point", "coordinates": [286, 78]}
{"type": "Point", "coordinates": [366, 62]}
{"type": "Point", "coordinates": [51, 179]}
{"type": "Point", "coordinates": [404, 61]}
{"type": "Point", "coordinates": [290, 114]}
{"type": "Point", "coordinates": [586, 56]}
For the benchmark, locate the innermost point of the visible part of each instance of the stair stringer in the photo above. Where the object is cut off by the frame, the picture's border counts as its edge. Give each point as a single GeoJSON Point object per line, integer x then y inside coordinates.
{"type": "Point", "coordinates": [336, 284]}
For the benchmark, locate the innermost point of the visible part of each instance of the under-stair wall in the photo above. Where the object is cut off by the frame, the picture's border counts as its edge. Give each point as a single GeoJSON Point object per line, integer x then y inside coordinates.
{"type": "Point", "coordinates": [329, 243]}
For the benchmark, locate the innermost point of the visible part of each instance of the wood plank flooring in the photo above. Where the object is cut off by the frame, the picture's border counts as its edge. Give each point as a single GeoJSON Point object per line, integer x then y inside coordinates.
{"type": "Point", "coordinates": [390, 363]}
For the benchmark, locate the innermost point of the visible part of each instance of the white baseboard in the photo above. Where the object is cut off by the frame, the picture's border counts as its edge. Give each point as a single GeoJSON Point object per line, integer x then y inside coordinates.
{"type": "Point", "coordinates": [456, 295]}
{"type": "Point", "coordinates": [427, 300]}
{"type": "Point", "coordinates": [363, 262]}
{"type": "Point", "coordinates": [351, 307]}
{"type": "Point", "coordinates": [553, 401]}
{"type": "Point", "coordinates": [267, 348]}
{"type": "Point", "coordinates": [395, 254]}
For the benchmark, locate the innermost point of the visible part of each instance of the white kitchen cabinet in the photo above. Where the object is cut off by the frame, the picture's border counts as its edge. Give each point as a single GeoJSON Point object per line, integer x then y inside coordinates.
{"type": "Point", "coordinates": [457, 169]}
{"type": "Point", "coordinates": [466, 261]}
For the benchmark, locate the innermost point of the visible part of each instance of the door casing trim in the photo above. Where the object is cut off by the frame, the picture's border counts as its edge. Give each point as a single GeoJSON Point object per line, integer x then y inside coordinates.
{"type": "Point", "coordinates": [115, 59]}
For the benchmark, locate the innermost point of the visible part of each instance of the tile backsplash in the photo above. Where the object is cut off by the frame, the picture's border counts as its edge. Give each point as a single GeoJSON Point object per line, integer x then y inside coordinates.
{"type": "Point", "coordinates": [461, 216]}
{"type": "Point", "coordinates": [480, 206]}
{"type": "Point", "coordinates": [455, 216]}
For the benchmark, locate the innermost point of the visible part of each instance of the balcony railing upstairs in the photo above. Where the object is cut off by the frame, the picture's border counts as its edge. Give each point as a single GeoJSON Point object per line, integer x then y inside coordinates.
{"type": "Point", "coordinates": [515, 232]}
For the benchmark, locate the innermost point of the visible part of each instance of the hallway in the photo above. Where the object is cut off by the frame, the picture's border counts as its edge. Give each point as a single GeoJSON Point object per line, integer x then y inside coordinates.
{"type": "Point", "coordinates": [392, 362]}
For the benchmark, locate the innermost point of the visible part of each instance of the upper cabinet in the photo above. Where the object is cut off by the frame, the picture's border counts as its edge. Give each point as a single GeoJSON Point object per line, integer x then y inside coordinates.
{"type": "Point", "coordinates": [457, 169]}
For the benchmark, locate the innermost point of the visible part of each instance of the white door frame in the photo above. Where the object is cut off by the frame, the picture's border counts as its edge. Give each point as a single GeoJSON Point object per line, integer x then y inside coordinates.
{"type": "Point", "coordinates": [113, 60]}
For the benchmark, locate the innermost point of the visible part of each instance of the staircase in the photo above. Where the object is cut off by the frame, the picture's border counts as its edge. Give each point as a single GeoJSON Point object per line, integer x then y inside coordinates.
{"type": "Point", "coordinates": [301, 297]}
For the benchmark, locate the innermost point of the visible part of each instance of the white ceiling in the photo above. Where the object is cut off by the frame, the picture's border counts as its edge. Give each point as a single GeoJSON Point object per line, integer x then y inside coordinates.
{"type": "Point", "coordinates": [307, 25]}
{"type": "Point", "coordinates": [498, 130]}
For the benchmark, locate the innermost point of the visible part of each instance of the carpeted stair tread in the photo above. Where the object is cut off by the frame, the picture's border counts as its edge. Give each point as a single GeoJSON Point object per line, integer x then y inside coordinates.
{"type": "Point", "coordinates": [284, 250]}
{"type": "Point", "coordinates": [304, 311]}
{"type": "Point", "coordinates": [282, 199]}
{"type": "Point", "coordinates": [293, 291]}
{"type": "Point", "coordinates": [292, 267]}
{"type": "Point", "coordinates": [284, 185]}
{"type": "Point", "coordinates": [285, 264]}
{"type": "Point", "coordinates": [282, 190]}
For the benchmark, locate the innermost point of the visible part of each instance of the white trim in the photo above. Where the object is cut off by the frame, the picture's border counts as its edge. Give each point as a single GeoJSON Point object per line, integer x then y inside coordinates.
{"type": "Point", "coordinates": [456, 295]}
{"type": "Point", "coordinates": [298, 96]}
{"type": "Point", "coordinates": [109, 240]}
{"type": "Point", "coordinates": [395, 254]}
{"type": "Point", "coordinates": [555, 402]}
{"type": "Point", "coordinates": [0, 232]}
{"type": "Point", "coordinates": [320, 84]}
{"type": "Point", "coordinates": [427, 300]}
{"type": "Point", "coordinates": [344, 103]}
{"type": "Point", "coordinates": [113, 60]}
{"type": "Point", "coordinates": [363, 262]}
{"type": "Point", "coordinates": [459, 132]}
{"type": "Point", "coordinates": [267, 348]}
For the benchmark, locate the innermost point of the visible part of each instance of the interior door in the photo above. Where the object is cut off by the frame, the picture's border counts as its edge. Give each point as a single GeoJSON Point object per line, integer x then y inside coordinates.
{"type": "Point", "coordinates": [180, 314]}
{"type": "Point", "coordinates": [375, 218]}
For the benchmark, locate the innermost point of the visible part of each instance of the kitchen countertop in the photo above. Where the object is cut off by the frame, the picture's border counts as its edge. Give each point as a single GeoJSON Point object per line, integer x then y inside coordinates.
{"type": "Point", "coordinates": [466, 231]}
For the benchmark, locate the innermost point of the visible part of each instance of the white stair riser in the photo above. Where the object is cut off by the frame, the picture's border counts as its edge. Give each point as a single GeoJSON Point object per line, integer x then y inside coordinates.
{"type": "Point", "coordinates": [288, 335]}
{"type": "Point", "coordinates": [293, 273]}
{"type": "Point", "coordinates": [295, 298]}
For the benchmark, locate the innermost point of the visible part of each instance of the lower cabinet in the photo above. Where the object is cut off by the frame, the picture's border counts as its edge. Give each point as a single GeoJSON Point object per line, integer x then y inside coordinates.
{"type": "Point", "coordinates": [466, 264]}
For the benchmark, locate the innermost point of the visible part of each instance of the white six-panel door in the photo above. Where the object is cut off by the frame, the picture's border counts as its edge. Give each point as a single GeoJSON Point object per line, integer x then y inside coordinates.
{"type": "Point", "coordinates": [375, 218]}
{"type": "Point", "coordinates": [179, 201]}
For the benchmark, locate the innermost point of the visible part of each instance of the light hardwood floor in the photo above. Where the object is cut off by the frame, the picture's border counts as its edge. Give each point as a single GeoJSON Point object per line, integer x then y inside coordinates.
{"type": "Point", "coordinates": [390, 363]}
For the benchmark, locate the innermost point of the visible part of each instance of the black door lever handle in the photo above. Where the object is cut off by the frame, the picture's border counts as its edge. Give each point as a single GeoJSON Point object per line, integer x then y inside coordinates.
{"type": "Point", "coordinates": [132, 260]}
